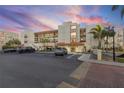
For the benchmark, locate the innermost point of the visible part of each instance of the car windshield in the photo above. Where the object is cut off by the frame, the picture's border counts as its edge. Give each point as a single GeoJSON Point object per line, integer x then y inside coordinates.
{"type": "Point", "coordinates": [58, 48]}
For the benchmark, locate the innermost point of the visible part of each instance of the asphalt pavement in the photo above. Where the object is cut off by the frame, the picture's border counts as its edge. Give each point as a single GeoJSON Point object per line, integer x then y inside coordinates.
{"type": "Point", "coordinates": [35, 70]}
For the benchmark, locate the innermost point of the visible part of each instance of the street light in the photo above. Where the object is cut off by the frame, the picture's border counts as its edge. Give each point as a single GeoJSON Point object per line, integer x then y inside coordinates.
{"type": "Point", "coordinates": [112, 29]}
{"type": "Point", "coordinates": [113, 43]}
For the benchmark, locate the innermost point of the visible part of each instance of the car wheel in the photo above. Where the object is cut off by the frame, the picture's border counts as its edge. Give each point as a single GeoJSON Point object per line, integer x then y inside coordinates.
{"type": "Point", "coordinates": [62, 54]}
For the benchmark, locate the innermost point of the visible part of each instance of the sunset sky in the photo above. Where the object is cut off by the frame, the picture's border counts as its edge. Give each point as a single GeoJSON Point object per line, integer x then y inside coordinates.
{"type": "Point", "coordinates": [41, 18]}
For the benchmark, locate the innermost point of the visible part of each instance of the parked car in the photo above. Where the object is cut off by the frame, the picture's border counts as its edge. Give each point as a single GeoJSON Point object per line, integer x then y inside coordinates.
{"type": "Point", "coordinates": [60, 51]}
{"type": "Point", "coordinates": [11, 50]}
{"type": "Point", "coordinates": [26, 50]}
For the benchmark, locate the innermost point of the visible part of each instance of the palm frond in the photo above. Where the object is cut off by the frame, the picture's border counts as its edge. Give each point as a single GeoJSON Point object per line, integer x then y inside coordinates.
{"type": "Point", "coordinates": [114, 7]}
{"type": "Point", "coordinates": [94, 29]}
{"type": "Point", "coordinates": [92, 32]}
{"type": "Point", "coordinates": [95, 36]}
{"type": "Point", "coordinates": [99, 28]}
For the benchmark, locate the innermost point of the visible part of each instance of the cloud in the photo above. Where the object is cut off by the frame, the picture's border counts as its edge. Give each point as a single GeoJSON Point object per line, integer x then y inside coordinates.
{"type": "Point", "coordinates": [74, 9]}
{"type": "Point", "coordinates": [9, 29]}
{"type": "Point", "coordinates": [47, 22]}
{"type": "Point", "coordinates": [74, 14]}
{"type": "Point", "coordinates": [14, 16]}
{"type": "Point", "coordinates": [48, 17]}
{"type": "Point", "coordinates": [92, 20]}
{"type": "Point", "coordinates": [24, 20]}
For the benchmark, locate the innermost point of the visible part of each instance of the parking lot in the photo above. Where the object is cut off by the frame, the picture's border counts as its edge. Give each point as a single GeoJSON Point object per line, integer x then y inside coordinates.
{"type": "Point", "coordinates": [35, 70]}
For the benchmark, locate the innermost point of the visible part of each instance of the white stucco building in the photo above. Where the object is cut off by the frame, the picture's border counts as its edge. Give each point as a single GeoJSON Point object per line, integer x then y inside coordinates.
{"type": "Point", "coordinates": [27, 38]}
{"type": "Point", "coordinates": [119, 37]}
{"type": "Point", "coordinates": [71, 37]}
{"type": "Point", "coordinates": [46, 39]}
{"type": "Point", "coordinates": [5, 36]}
{"type": "Point", "coordinates": [90, 41]}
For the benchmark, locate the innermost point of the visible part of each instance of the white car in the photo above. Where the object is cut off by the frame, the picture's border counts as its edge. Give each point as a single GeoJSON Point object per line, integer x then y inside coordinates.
{"type": "Point", "coordinates": [60, 51]}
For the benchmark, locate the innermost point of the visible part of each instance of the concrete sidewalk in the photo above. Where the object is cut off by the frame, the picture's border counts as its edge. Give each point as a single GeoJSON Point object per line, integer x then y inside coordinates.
{"type": "Point", "coordinates": [86, 58]}
{"type": "Point", "coordinates": [75, 76]}
{"type": "Point", "coordinates": [95, 74]}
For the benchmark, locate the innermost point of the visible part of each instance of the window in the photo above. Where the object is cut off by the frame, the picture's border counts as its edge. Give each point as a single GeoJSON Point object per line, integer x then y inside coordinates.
{"type": "Point", "coordinates": [25, 36]}
{"type": "Point", "coordinates": [25, 41]}
{"type": "Point", "coordinates": [73, 27]}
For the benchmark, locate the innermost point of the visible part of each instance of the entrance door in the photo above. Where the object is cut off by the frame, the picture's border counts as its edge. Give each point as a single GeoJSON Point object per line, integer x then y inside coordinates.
{"type": "Point", "coordinates": [72, 49]}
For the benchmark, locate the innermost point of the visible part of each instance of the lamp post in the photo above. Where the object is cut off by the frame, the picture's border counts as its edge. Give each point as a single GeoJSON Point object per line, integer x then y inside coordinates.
{"type": "Point", "coordinates": [113, 43]}
{"type": "Point", "coordinates": [112, 29]}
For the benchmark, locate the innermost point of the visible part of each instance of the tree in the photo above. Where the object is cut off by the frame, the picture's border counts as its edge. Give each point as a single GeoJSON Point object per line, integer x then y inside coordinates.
{"type": "Point", "coordinates": [108, 33]}
{"type": "Point", "coordinates": [17, 42]}
{"type": "Point", "coordinates": [98, 33]}
{"type": "Point", "coordinates": [115, 7]}
{"type": "Point", "coordinates": [12, 44]}
{"type": "Point", "coordinates": [45, 40]}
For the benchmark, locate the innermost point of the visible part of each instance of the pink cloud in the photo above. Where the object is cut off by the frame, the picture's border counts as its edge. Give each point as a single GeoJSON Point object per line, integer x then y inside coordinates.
{"type": "Point", "coordinates": [74, 9]}
{"type": "Point", "coordinates": [45, 23]}
{"type": "Point", "coordinates": [41, 27]}
{"type": "Point", "coordinates": [92, 20]}
{"type": "Point", "coordinates": [10, 29]}
{"type": "Point", "coordinates": [87, 20]}
{"type": "Point", "coordinates": [73, 13]}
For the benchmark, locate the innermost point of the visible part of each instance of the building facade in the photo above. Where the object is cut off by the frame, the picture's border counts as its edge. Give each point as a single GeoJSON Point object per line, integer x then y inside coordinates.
{"type": "Point", "coordinates": [71, 37]}
{"type": "Point", "coordinates": [90, 41]}
{"type": "Point", "coordinates": [46, 39]}
{"type": "Point", "coordinates": [27, 38]}
{"type": "Point", "coordinates": [119, 38]}
{"type": "Point", "coordinates": [68, 35]}
{"type": "Point", "coordinates": [5, 36]}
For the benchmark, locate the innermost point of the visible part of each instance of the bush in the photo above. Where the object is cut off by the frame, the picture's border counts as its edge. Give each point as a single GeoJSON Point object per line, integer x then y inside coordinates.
{"type": "Point", "coordinates": [11, 44]}
{"type": "Point", "coordinates": [119, 59]}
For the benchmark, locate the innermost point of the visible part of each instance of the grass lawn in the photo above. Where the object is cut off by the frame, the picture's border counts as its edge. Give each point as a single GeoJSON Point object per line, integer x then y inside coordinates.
{"type": "Point", "coordinates": [118, 59]}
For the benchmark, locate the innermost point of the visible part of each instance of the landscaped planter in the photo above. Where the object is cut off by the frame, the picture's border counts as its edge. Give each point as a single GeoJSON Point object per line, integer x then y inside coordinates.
{"type": "Point", "coordinates": [120, 58]}
{"type": "Point", "coordinates": [99, 54]}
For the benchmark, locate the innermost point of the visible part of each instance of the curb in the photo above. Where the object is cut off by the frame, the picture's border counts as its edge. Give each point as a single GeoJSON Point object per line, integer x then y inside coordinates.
{"type": "Point", "coordinates": [106, 63]}
{"type": "Point", "coordinates": [101, 62]}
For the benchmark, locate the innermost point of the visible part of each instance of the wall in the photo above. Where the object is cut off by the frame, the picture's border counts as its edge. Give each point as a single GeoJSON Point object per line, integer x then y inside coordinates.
{"type": "Point", "coordinates": [29, 39]}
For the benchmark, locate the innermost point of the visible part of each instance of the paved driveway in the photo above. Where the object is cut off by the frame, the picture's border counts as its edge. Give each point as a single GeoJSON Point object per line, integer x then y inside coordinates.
{"type": "Point", "coordinates": [35, 70]}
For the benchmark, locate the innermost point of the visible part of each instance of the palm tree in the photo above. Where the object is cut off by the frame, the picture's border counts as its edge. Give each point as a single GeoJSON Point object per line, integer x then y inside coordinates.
{"type": "Point", "coordinates": [115, 7]}
{"type": "Point", "coordinates": [107, 35]}
{"type": "Point", "coordinates": [98, 33]}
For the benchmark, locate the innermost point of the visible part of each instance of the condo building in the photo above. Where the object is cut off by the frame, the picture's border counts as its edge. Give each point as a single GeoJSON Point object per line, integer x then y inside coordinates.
{"type": "Point", "coordinates": [119, 38]}
{"type": "Point", "coordinates": [71, 37]}
{"type": "Point", "coordinates": [46, 39]}
{"type": "Point", "coordinates": [68, 35]}
{"type": "Point", "coordinates": [90, 41]}
{"type": "Point", "coordinates": [5, 36]}
{"type": "Point", "coordinates": [27, 38]}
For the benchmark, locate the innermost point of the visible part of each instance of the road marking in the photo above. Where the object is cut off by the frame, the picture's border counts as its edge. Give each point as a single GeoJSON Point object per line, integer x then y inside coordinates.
{"type": "Point", "coordinates": [70, 56]}
{"type": "Point", "coordinates": [81, 71]}
{"type": "Point", "coordinates": [65, 85]}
